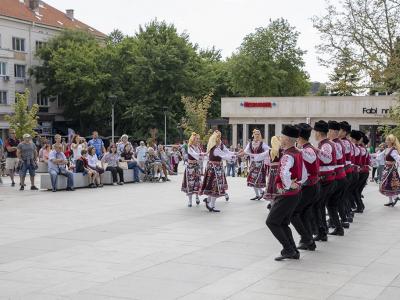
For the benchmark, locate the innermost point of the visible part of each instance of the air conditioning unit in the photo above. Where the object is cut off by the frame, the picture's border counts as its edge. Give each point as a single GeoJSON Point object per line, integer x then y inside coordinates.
{"type": "Point", "coordinates": [6, 78]}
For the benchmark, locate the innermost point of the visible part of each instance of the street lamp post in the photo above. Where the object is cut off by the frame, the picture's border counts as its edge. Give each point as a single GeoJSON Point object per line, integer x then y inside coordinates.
{"type": "Point", "coordinates": [165, 108]}
{"type": "Point", "coordinates": [113, 100]}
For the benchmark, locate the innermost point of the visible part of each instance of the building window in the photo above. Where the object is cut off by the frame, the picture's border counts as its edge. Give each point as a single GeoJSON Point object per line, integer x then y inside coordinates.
{"type": "Point", "coordinates": [18, 44]}
{"type": "Point", "coordinates": [19, 71]}
{"type": "Point", "coordinates": [42, 100]}
{"type": "Point", "coordinates": [3, 97]}
{"type": "Point", "coordinates": [3, 68]}
{"type": "Point", "coordinates": [40, 44]}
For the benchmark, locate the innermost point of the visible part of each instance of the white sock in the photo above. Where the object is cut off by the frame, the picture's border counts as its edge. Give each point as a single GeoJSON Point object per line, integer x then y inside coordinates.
{"type": "Point", "coordinates": [190, 199]}
{"type": "Point", "coordinates": [213, 199]}
{"type": "Point", "coordinates": [257, 192]}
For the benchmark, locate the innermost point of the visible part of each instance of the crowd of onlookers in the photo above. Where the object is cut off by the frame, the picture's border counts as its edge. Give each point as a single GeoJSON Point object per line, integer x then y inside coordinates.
{"type": "Point", "coordinates": [89, 157]}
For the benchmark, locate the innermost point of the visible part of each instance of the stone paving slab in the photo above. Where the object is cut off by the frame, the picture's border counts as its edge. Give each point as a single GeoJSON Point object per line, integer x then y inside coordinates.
{"type": "Point", "coordinates": [141, 241]}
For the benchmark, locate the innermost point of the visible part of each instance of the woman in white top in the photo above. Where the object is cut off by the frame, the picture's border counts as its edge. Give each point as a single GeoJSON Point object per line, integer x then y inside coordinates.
{"type": "Point", "coordinates": [257, 171]}
{"type": "Point", "coordinates": [77, 145]}
{"type": "Point", "coordinates": [390, 184]}
{"type": "Point", "coordinates": [214, 182]}
{"type": "Point", "coordinates": [192, 177]}
{"type": "Point", "coordinates": [122, 144]}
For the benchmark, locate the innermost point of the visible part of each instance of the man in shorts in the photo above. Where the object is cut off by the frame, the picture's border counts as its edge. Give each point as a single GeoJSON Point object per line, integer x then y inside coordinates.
{"type": "Point", "coordinates": [11, 154]}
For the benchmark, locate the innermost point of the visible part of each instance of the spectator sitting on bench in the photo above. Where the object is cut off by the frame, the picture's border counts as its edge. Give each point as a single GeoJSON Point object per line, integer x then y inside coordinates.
{"type": "Point", "coordinates": [112, 158]}
{"type": "Point", "coordinates": [82, 166]}
{"type": "Point", "coordinates": [127, 156]}
{"type": "Point", "coordinates": [57, 166]}
{"type": "Point", "coordinates": [44, 153]}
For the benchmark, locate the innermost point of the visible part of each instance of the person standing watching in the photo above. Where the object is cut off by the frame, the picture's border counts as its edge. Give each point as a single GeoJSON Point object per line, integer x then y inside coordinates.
{"type": "Point", "coordinates": [141, 153]}
{"type": "Point", "coordinates": [11, 152]}
{"type": "Point", "coordinates": [57, 166]}
{"type": "Point", "coordinates": [98, 144]}
{"type": "Point", "coordinates": [27, 154]}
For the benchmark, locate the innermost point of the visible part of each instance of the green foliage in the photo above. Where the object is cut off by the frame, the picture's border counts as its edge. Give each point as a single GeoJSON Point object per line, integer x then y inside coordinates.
{"type": "Point", "coordinates": [345, 79]}
{"type": "Point", "coordinates": [196, 116]}
{"type": "Point", "coordinates": [24, 120]}
{"type": "Point", "coordinates": [269, 63]}
{"type": "Point", "coordinates": [72, 70]}
{"type": "Point", "coordinates": [367, 29]}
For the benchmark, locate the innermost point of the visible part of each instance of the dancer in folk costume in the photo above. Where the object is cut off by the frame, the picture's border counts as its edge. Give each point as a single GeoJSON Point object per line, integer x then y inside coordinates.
{"type": "Point", "coordinates": [291, 176]}
{"type": "Point", "coordinates": [272, 161]}
{"type": "Point", "coordinates": [214, 182]}
{"type": "Point", "coordinates": [390, 184]}
{"type": "Point", "coordinates": [192, 177]}
{"type": "Point", "coordinates": [257, 173]}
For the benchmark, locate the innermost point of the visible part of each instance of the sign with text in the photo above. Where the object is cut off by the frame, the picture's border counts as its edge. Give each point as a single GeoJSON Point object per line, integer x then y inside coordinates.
{"type": "Point", "coordinates": [375, 111]}
{"type": "Point", "coordinates": [249, 104]}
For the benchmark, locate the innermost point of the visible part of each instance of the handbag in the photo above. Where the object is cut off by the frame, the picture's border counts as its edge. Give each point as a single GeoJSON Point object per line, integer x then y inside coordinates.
{"type": "Point", "coordinates": [123, 165]}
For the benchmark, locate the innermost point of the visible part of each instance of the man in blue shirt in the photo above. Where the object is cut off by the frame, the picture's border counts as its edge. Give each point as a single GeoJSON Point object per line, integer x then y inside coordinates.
{"type": "Point", "coordinates": [97, 144]}
{"type": "Point", "coordinates": [57, 166]}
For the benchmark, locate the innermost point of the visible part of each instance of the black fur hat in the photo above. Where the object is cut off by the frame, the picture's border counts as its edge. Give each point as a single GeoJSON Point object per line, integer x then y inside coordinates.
{"type": "Point", "coordinates": [290, 131]}
{"type": "Point", "coordinates": [365, 140]}
{"type": "Point", "coordinates": [345, 126]}
{"type": "Point", "coordinates": [321, 126]}
{"type": "Point", "coordinates": [333, 125]}
{"type": "Point", "coordinates": [304, 130]}
{"type": "Point", "coordinates": [355, 134]}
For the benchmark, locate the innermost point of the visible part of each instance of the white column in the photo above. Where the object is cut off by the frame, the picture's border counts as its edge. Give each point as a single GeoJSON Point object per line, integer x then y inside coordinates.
{"type": "Point", "coordinates": [244, 135]}
{"type": "Point", "coordinates": [278, 128]}
{"type": "Point", "coordinates": [266, 135]}
{"type": "Point", "coordinates": [234, 135]}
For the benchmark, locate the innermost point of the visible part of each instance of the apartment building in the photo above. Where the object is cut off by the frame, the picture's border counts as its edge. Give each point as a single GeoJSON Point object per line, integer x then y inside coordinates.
{"type": "Point", "coordinates": [25, 26]}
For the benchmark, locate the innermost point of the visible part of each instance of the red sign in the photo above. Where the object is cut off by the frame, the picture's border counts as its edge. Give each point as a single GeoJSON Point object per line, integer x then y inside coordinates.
{"type": "Point", "coordinates": [258, 104]}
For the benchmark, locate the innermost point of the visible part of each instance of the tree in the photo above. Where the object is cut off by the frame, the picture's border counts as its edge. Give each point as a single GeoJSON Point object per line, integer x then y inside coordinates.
{"type": "Point", "coordinates": [269, 63]}
{"type": "Point", "coordinates": [196, 115]}
{"type": "Point", "coordinates": [366, 30]}
{"type": "Point", "coordinates": [157, 67]}
{"type": "Point", "coordinates": [24, 119]}
{"type": "Point", "coordinates": [345, 79]}
{"type": "Point", "coordinates": [115, 37]}
{"type": "Point", "coordinates": [71, 69]}
{"type": "Point", "coordinates": [392, 73]}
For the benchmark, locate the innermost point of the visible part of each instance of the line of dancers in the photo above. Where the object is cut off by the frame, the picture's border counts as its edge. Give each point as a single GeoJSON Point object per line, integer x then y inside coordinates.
{"type": "Point", "coordinates": [301, 181]}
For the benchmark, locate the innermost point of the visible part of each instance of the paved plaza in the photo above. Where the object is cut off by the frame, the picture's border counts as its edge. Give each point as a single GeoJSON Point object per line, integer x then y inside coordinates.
{"type": "Point", "coordinates": [140, 241]}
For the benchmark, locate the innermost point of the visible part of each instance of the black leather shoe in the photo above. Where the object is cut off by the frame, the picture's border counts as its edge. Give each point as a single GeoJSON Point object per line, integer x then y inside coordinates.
{"type": "Point", "coordinates": [291, 255]}
{"type": "Point", "coordinates": [255, 198]}
{"type": "Point", "coordinates": [206, 202]}
{"type": "Point", "coordinates": [337, 231]}
{"type": "Point", "coordinates": [70, 189]}
{"type": "Point", "coordinates": [307, 246]}
{"type": "Point", "coordinates": [388, 204]}
{"type": "Point", "coordinates": [345, 225]}
{"type": "Point", "coordinates": [350, 219]}
{"type": "Point", "coordinates": [321, 238]}
{"type": "Point", "coordinates": [215, 210]}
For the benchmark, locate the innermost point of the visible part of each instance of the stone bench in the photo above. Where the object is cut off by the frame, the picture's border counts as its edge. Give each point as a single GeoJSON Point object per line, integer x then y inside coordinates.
{"type": "Point", "coordinates": [42, 167]}
{"type": "Point", "coordinates": [80, 180]}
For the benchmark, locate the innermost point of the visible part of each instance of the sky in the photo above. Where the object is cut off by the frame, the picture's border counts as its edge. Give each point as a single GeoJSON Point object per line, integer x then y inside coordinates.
{"type": "Point", "coordinates": [219, 23]}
